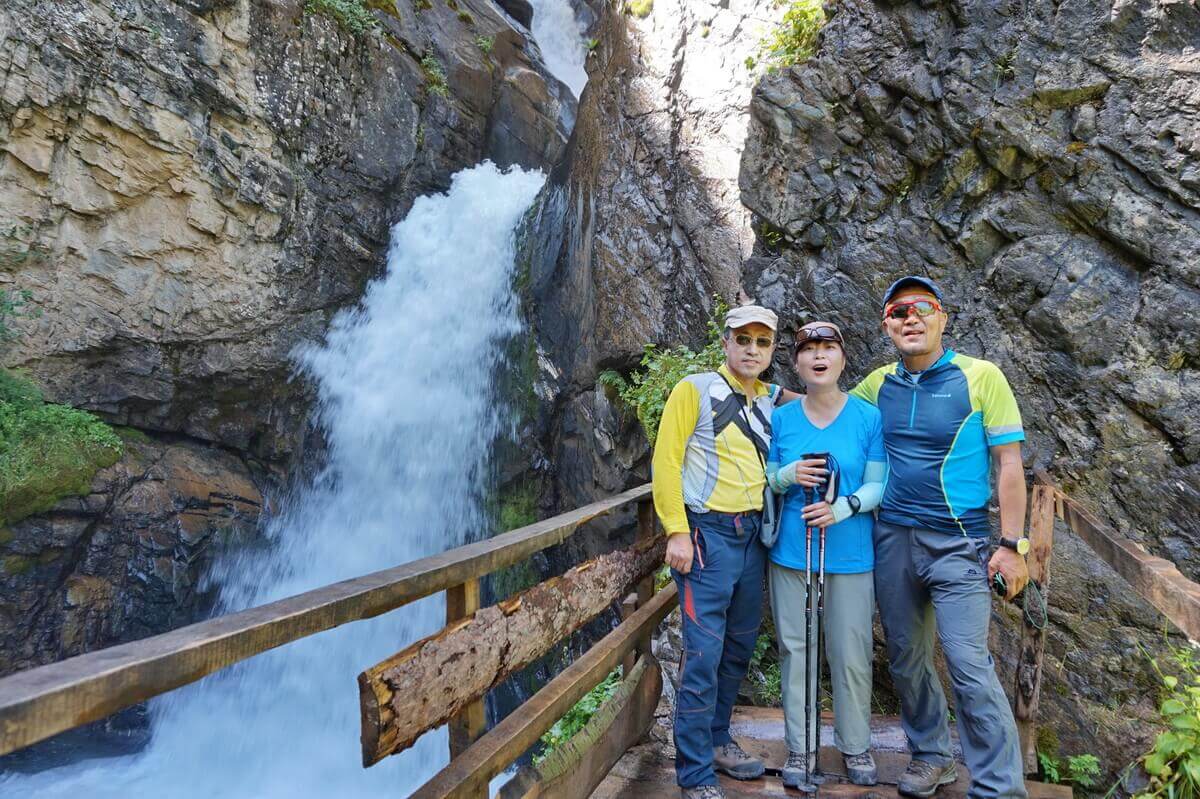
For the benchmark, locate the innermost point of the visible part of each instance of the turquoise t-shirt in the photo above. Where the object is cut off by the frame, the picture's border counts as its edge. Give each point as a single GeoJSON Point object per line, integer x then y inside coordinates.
{"type": "Point", "coordinates": [854, 437]}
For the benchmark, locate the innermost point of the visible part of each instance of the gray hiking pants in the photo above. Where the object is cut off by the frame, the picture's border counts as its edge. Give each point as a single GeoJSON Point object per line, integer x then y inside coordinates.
{"type": "Point", "coordinates": [923, 576]}
{"type": "Point", "coordinates": [846, 633]}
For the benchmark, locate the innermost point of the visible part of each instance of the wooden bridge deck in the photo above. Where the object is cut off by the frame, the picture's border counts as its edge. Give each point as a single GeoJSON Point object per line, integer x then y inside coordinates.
{"type": "Point", "coordinates": [647, 771]}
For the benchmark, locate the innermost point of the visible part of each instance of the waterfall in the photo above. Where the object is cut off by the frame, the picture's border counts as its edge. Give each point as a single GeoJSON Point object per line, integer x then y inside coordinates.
{"type": "Point", "coordinates": [404, 383]}
{"type": "Point", "coordinates": [560, 37]}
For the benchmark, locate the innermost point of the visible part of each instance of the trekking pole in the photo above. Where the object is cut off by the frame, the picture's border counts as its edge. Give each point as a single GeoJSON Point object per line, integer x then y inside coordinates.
{"type": "Point", "coordinates": [820, 623]}
{"type": "Point", "coordinates": [809, 603]}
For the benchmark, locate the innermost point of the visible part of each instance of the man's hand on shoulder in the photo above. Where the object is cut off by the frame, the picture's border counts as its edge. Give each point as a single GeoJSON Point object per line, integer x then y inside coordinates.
{"type": "Point", "coordinates": [1012, 566]}
{"type": "Point", "coordinates": [786, 395]}
{"type": "Point", "coordinates": [679, 552]}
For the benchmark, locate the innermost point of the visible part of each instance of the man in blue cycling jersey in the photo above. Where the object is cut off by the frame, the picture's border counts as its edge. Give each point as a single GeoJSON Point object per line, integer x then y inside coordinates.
{"type": "Point", "coordinates": [946, 418]}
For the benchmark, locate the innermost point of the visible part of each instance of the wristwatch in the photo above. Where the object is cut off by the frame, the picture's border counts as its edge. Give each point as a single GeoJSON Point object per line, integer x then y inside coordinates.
{"type": "Point", "coordinates": [854, 502]}
{"type": "Point", "coordinates": [1020, 545]}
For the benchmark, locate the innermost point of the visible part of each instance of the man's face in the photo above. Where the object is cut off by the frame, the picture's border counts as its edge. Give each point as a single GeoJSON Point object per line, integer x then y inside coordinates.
{"type": "Point", "coordinates": [748, 349]}
{"type": "Point", "coordinates": [915, 335]}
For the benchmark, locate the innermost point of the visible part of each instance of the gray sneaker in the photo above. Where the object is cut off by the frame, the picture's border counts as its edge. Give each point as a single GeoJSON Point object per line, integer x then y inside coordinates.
{"type": "Point", "coordinates": [734, 761]}
{"type": "Point", "coordinates": [703, 792]}
{"type": "Point", "coordinates": [922, 779]}
{"type": "Point", "coordinates": [860, 768]}
{"type": "Point", "coordinates": [798, 774]}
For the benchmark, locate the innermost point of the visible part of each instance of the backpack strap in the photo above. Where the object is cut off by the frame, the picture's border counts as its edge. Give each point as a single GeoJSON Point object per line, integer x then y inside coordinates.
{"type": "Point", "coordinates": [732, 410]}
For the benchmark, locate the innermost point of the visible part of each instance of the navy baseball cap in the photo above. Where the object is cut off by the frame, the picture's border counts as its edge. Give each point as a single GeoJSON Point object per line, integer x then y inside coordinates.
{"type": "Point", "coordinates": [911, 280]}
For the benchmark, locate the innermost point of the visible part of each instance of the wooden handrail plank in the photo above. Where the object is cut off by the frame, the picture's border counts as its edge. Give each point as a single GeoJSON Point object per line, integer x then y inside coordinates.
{"type": "Point", "coordinates": [47, 700]}
{"type": "Point", "coordinates": [492, 753]}
{"type": "Point", "coordinates": [1155, 579]}
{"type": "Point", "coordinates": [426, 684]}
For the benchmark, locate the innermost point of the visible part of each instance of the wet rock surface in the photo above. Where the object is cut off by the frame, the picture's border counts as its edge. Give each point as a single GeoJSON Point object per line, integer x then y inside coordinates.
{"type": "Point", "coordinates": [126, 560]}
{"type": "Point", "coordinates": [1038, 160]}
{"type": "Point", "coordinates": [639, 226]}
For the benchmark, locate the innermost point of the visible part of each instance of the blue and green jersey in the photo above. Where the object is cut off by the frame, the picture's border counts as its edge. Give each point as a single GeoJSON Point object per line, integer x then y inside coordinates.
{"type": "Point", "coordinates": [937, 427]}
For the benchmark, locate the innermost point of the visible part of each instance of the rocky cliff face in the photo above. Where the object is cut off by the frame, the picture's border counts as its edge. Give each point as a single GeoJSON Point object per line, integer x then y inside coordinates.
{"type": "Point", "coordinates": [1040, 161]}
{"type": "Point", "coordinates": [190, 189]}
{"type": "Point", "coordinates": [640, 225]}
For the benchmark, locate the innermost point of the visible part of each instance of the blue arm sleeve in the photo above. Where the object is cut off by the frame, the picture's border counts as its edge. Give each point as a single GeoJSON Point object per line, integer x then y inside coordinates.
{"type": "Point", "coordinates": [869, 495]}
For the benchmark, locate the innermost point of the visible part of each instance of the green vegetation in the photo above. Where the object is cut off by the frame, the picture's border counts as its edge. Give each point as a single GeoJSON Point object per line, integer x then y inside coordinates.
{"type": "Point", "coordinates": [795, 40]}
{"type": "Point", "coordinates": [352, 16]}
{"type": "Point", "coordinates": [640, 8]}
{"type": "Point", "coordinates": [579, 714]}
{"type": "Point", "coordinates": [435, 74]}
{"type": "Point", "coordinates": [770, 235]}
{"type": "Point", "coordinates": [485, 43]}
{"type": "Point", "coordinates": [647, 390]}
{"type": "Point", "coordinates": [517, 507]}
{"type": "Point", "coordinates": [1173, 764]}
{"type": "Point", "coordinates": [592, 44]}
{"type": "Point", "coordinates": [765, 674]}
{"type": "Point", "coordinates": [47, 451]}
{"type": "Point", "coordinates": [466, 18]}
{"type": "Point", "coordinates": [1005, 69]}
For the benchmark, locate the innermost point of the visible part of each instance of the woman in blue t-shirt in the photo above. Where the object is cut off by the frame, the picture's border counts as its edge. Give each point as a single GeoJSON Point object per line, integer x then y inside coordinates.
{"type": "Point", "coordinates": [826, 419]}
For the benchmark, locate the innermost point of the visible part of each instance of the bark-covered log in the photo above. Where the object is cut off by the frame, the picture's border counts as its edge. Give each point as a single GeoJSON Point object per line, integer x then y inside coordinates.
{"type": "Point", "coordinates": [429, 682]}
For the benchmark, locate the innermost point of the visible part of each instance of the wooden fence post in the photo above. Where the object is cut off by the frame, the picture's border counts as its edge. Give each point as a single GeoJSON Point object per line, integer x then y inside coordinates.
{"type": "Point", "coordinates": [646, 529]}
{"type": "Point", "coordinates": [461, 602]}
{"type": "Point", "coordinates": [1029, 659]}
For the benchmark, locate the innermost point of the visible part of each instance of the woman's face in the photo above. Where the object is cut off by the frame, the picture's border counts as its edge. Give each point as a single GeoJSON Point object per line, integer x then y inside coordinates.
{"type": "Point", "coordinates": [820, 363]}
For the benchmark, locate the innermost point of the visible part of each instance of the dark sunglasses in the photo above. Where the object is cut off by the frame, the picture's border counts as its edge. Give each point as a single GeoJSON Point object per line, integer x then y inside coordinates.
{"type": "Point", "coordinates": [903, 310]}
{"type": "Point", "coordinates": [763, 342]}
{"type": "Point", "coordinates": [819, 333]}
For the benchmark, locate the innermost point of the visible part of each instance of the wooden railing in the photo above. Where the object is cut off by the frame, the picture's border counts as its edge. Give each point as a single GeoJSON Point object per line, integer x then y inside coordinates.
{"type": "Point", "coordinates": [1155, 579]}
{"type": "Point", "coordinates": [444, 678]}
{"type": "Point", "coordinates": [44, 701]}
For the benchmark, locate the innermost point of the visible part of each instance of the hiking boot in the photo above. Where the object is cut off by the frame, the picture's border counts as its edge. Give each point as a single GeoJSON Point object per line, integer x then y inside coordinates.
{"type": "Point", "coordinates": [860, 768]}
{"type": "Point", "coordinates": [702, 792]}
{"type": "Point", "coordinates": [798, 774]}
{"type": "Point", "coordinates": [734, 761]}
{"type": "Point", "coordinates": [922, 779]}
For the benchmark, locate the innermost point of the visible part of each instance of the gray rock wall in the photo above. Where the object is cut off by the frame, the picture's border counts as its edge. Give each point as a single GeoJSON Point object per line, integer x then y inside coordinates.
{"type": "Point", "coordinates": [640, 226]}
{"type": "Point", "coordinates": [1040, 161]}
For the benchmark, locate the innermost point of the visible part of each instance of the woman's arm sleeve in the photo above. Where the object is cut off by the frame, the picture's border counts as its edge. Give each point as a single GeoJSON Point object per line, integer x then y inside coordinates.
{"type": "Point", "coordinates": [869, 495]}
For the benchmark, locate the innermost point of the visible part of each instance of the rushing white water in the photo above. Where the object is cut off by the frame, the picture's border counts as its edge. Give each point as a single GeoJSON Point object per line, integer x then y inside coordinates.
{"type": "Point", "coordinates": [560, 37]}
{"type": "Point", "coordinates": [406, 402]}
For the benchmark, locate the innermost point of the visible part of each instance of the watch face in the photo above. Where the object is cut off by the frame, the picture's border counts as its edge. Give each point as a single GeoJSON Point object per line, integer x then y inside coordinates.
{"type": "Point", "coordinates": [1022, 546]}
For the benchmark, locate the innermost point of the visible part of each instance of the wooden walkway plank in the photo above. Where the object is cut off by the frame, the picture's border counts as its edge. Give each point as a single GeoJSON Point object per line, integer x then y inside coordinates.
{"type": "Point", "coordinates": [41, 702]}
{"type": "Point", "coordinates": [646, 773]}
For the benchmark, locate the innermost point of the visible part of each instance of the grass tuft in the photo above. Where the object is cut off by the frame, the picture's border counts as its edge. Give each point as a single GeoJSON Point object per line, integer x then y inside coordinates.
{"type": "Point", "coordinates": [47, 452]}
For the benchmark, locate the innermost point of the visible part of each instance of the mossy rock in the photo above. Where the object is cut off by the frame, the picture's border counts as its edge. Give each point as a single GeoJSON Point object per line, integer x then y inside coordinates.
{"type": "Point", "coordinates": [641, 8]}
{"type": "Point", "coordinates": [48, 452]}
{"type": "Point", "coordinates": [517, 507]}
{"type": "Point", "coordinates": [16, 564]}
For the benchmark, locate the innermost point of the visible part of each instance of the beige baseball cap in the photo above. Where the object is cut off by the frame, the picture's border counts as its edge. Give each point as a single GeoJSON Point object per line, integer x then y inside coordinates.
{"type": "Point", "coordinates": [749, 314]}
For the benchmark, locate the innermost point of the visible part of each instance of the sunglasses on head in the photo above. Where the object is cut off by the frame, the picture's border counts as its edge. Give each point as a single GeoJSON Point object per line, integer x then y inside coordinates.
{"type": "Point", "coordinates": [819, 333]}
{"type": "Point", "coordinates": [744, 339]}
{"type": "Point", "coordinates": [903, 310]}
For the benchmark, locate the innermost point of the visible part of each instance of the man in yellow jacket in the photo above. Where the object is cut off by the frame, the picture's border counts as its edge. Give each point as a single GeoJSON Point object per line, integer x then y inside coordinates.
{"type": "Point", "coordinates": [708, 472]}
